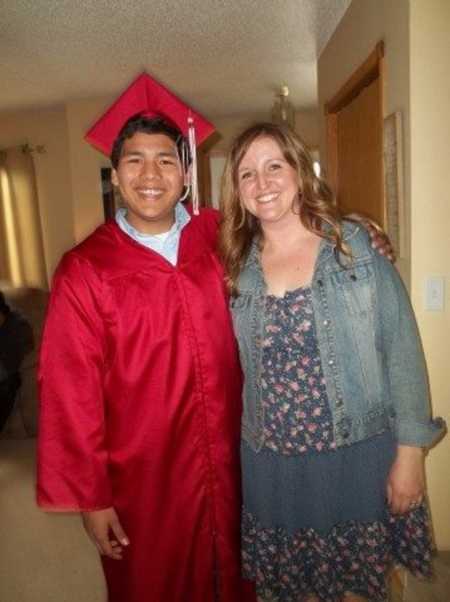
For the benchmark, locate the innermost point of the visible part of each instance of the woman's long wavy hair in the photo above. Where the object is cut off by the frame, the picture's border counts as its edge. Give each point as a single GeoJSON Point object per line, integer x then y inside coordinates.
{"type": "Point", "coordinates": [239, 227]}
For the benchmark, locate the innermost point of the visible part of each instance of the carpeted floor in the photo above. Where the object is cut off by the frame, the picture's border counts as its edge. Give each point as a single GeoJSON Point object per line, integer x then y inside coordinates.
{"type": "Point", "coordinates": [48, 558]}
{"type": "Point", "coordinates": [43, 557]}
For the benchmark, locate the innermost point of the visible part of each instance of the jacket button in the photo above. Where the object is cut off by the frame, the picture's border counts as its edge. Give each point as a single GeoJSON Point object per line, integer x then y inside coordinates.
{"type": "Point", "coordinates": [353, 277]}
{"type": "Point", "coordinates": [339, 403]}
{"type": "Point", "coordinates": [326, 322]}
{"type": "Point", "coordinates": [330, 362]}
{"type": "Point", "coordinates": [320, 282]}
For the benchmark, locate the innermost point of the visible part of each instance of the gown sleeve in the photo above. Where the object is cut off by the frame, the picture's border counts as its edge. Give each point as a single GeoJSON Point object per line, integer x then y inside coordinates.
{"type": "Point", "coordinates": [72, 455]}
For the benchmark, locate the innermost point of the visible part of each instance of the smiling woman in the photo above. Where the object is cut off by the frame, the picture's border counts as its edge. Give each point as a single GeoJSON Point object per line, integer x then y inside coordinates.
{"type": "Point", "coordinates": [335, 406]}
{"type": "Point", "coordinates": [268, 183]}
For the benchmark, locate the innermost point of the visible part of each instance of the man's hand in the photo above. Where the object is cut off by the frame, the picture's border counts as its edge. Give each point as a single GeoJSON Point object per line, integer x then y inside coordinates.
{"type": "Point", "coordinates": [105, 530]}
{"type": "Point", "coordinates": [406, 481]}
{"type": "Point", "coordinates": [379, 238]}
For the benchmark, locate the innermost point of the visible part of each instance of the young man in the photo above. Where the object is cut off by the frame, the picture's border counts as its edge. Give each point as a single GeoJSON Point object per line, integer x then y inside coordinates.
{"type": "Point", "coordinates": [140, 381]}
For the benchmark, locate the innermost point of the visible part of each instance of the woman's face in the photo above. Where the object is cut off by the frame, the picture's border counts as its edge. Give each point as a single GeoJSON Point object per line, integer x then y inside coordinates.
{"type": "Point", "coordinates": [268, 185]}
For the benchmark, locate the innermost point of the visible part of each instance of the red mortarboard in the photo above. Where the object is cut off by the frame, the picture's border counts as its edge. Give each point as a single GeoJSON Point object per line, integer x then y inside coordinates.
{"type": "Point", "coordinates": [150, 98]}
{"type": "Point", "coordinates": [145, 95]}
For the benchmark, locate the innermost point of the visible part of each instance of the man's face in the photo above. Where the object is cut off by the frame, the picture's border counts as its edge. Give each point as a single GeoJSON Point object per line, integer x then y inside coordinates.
{"type": "Point", "coordinates": [150, 179]}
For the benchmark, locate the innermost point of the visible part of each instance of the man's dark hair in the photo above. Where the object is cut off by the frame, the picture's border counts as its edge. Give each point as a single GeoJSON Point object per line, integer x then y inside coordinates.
{"type": "Point", "coordinates": [147, 125]}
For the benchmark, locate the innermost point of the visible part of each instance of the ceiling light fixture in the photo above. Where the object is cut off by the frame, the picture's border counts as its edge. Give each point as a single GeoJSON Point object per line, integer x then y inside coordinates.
{"type": "Point", "coordinates": [282, 111]}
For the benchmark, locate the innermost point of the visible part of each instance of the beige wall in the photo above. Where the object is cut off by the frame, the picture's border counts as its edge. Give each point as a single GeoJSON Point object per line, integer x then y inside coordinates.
{"type": "Point", "coordinates": [229, 127]}
{"type": "Point", "coordinates": [306, 124]}
{"type": "Point", "coordinates": [416, 56]}
{"type": "Point", "coordinates": [430, 220]}
{"type": "Point", "coordinates": [49, 128]}
{"type": "Point", "coordinates": [85, 163]}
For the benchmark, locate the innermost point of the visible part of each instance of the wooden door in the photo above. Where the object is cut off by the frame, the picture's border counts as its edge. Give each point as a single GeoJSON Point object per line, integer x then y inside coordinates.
{"type": "Point", "coordinates": [355, 142]}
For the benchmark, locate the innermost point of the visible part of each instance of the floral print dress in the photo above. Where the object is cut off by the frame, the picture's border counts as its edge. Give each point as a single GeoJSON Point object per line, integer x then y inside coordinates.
{"type": "Point", "coordinates": [315, 519]}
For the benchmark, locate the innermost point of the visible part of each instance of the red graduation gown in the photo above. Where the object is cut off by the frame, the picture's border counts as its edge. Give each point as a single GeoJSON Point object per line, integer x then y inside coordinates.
{"type": "Point", "coordinates": [140, 410]}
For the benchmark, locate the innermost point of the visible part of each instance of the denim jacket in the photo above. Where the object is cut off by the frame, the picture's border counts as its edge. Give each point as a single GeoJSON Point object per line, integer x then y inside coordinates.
{"type": "Point", "coordinates": [368, 341]}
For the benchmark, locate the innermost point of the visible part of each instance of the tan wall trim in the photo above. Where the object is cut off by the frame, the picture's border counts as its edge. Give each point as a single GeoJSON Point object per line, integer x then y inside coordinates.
{"type": "Point", "coordinates": [364, 75]}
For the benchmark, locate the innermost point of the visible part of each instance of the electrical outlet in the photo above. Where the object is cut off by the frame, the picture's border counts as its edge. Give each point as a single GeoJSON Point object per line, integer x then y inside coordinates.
{"type": "Point", "coordinates": [434, 293]}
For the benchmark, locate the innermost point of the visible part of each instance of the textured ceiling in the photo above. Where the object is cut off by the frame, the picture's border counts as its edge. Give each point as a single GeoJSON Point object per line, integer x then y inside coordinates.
{"type": "Point", "coordinates": [225, 57]}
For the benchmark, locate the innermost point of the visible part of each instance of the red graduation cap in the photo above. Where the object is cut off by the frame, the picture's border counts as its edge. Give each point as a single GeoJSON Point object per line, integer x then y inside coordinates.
{"type": "Point", "coordinates": [146, 96]}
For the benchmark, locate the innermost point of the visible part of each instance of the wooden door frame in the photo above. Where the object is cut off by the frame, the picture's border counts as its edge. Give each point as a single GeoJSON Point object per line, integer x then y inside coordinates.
{"type": "Point", "coordinates": [365, 74]}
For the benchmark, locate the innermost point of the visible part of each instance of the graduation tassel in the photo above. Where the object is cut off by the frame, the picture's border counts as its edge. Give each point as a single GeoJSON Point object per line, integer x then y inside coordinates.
{"type": "Point", "coordinates": [194, 176]}
{"type": "Point", "coordinates": [185, 167]}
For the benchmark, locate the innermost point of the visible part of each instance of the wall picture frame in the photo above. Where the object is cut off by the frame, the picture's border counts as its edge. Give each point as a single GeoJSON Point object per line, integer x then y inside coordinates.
{"type": "Point", "coordinates": [394, 182]}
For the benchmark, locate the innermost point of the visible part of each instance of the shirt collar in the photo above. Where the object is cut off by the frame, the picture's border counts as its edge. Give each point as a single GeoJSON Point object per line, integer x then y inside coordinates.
{"type": "Point", "coordinates": [182, 218]}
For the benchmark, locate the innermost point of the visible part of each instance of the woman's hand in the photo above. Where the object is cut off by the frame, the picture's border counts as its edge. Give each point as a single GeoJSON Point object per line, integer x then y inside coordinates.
{"type": "Point", "coordinates": [406, 480]}
{"type": "Point", "coordinates": [105, 530]}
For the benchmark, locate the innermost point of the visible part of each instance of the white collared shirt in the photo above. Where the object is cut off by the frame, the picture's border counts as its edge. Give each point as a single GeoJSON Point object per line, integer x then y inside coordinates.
{"type": "Point", "coordinates": [166, 243]}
